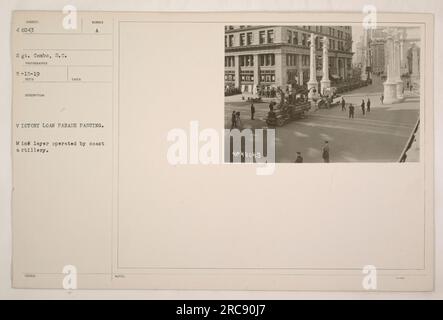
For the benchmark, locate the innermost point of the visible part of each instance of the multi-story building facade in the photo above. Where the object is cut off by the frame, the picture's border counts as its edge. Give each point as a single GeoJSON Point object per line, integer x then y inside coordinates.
{"type": "Point", "coordinates": [359, 54]}
{"type": "Point", "coordinates": [378, 63]}
{"type": "Point", "coordinates": [276, 56]}
{"type": "Point", "coordinates": [378, 54]}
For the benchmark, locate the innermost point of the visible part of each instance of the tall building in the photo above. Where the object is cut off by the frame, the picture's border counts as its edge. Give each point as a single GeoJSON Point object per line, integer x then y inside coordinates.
{"type": "Point", "coordinates": [275, 56]}
{"type": "Point", "coordinates": [409, 38]}
{"type": "Point", "coordinates": [378, 55]}
{"type": "Point", "coordinates": [360, 52]}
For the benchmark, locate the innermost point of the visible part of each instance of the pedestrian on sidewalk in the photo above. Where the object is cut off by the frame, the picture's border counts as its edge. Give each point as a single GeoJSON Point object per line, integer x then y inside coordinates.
{"type": "Point", "coordinates": [233, 118]}
{"type": "Point", "coordinates": [238, 123]}
{"type": "Point", "coordinates": [363, 106]}
{"type": "Point", "coordinates": [325, 152]}
{"type": "Point", "coordinates": [382, 98]}
{"type": "Point", "coordinates": [299, 158]}
{"type": "Point", "coordinates": [368, 105]}
{"type": "Point", "coordinates": [351, 111]}
{"type": "Point", "coordinates": [343, 104]}
{"type": "Point", "coordinates": [252, 111]}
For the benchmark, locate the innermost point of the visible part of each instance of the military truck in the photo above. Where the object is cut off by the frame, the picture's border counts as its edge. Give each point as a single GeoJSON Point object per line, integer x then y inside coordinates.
{"type": "Point", "coordinates": [290, 106]}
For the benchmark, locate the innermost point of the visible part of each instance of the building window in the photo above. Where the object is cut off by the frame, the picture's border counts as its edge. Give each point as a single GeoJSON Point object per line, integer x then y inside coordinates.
{"type": "Point", "coordinates": [247, 76]}
{"type": "Point", "coordinates": [242, 39]}
{"type": "Point", "coordinates": [295, 38]}
{"type": "Point", "coordinates": [270, 36]}
{"type": "Point", "coordinates": [246, 61]}
{"type": "Point", "coordinates": [250, 61]}
{"type": "Point", "coordinates": [262, 37]}
{"type": "Point", "coordinates": [226, 41]}
{"type": "Point", "coordinates": [267, 76]}
{"type": "Point", "coordinates": [291, 59]}
{"type": "Point", "coordinates": [230, 61]}
{"type": "Point", "coordinates": [305, 60]}
{"type": "Point", "coordinates": [249, 38]}
{"type": "Point", "coordinates": [289, 35]}
{"type": "Point", "coordinates": [267, 60]}
{"type": "Point", "coordinates": [229, 76]}
{"type": "Point", "coordinates": [304, 40]}
{"type": "Point", "coordinates": [292, 76]}
{"type": "Point", "coordinates": [231, 40]}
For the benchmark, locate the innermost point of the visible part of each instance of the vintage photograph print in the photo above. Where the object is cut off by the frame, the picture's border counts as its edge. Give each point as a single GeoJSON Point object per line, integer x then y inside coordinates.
{"type": "Point", "coordinates": [329, 93]}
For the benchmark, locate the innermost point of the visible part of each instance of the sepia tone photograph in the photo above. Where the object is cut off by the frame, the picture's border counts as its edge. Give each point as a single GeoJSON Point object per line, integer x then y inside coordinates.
{"type": "Point", "coordinates": [330, 93]}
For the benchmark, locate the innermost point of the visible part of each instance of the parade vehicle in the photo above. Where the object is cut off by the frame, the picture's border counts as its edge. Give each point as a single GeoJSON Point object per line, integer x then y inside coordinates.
{"type": "Point", "coordinates": [326, 100]}
{"type": "Point", "coordinates": [290, 107]}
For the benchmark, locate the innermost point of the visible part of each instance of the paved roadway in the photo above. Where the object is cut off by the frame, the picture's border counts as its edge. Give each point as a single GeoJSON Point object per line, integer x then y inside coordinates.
{"type": "Point", "coordinates": [379, 136]}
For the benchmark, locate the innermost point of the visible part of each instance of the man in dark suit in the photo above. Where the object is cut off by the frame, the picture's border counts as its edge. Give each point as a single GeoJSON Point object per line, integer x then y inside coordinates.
{"type": "Point", "coordinates": [299, 158]}
{"type": "Point", "coordinates": [233, 118]}
{"type": "Point", "coordinates": [351, 111]}
{"type": "Point", "coordinates": [343, 104]}
{"type": "Point", "coordinates": [252, 111]}
{"type": "Point", "coordinates": [325, 152]}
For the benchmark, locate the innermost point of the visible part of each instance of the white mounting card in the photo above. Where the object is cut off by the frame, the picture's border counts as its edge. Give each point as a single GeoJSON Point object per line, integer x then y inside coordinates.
{"type": "Point", "coordinates": [126, 176]}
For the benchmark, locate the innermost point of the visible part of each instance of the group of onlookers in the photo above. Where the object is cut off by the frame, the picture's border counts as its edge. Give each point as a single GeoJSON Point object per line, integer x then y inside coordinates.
{"type": "Point", "coordinates": [365, 107]}
{"type": "Point", "coordinates": [236, 122]}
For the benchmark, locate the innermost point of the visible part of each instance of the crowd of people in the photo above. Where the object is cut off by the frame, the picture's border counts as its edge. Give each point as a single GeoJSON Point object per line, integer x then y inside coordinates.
{"type": "Point", "coordinates": [230, 91]}
{"type": "Point", "coordinates": [267, 92]}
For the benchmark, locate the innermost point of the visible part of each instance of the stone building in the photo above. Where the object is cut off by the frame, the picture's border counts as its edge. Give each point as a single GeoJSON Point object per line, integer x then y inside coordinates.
{"type": "Point", "coordinates": [276, 56]}
{"type": "Point", "coordinates": [409, 40]}
{"type": "Point", "coordinates": [402, 62]}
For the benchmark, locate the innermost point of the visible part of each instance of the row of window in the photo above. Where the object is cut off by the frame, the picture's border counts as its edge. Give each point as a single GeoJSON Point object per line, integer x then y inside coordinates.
{"type": "Point", "coordinates": [291, 60]}
{"type": "Point", "coordinates": [264, 77]}
{"type": "Point", "coordinates": [247, 38]}
{"type": "Point", "coordinates": [267, 36]}
{"type": "Point", "coordinates": [292, 76]}
{"type": "Point", "coordinates": [248, 60]}
{"type": "Point", "coordinates": [311, 28]}
{"type": "Point", "coordinates": [338, 45]}
{"type": "Point", "coordinates": [269, 60]}
{"type": "Point", "coordinates": [333, 32]}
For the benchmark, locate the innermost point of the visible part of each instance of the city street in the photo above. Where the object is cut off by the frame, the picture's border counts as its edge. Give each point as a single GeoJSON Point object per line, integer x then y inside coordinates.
{"type": "Point", "coordinates": [379, 136]}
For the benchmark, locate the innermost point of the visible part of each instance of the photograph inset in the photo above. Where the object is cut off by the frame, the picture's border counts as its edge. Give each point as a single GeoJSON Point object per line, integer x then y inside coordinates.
{"type": "Point", "coordinates": [331, 93]}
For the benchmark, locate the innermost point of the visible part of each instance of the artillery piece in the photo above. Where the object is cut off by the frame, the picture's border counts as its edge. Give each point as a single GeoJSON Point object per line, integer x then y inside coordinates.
{"type": "Point", "coordinates": [326, 100]}
{"type": "Point", "coordinates": [290, 107]}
